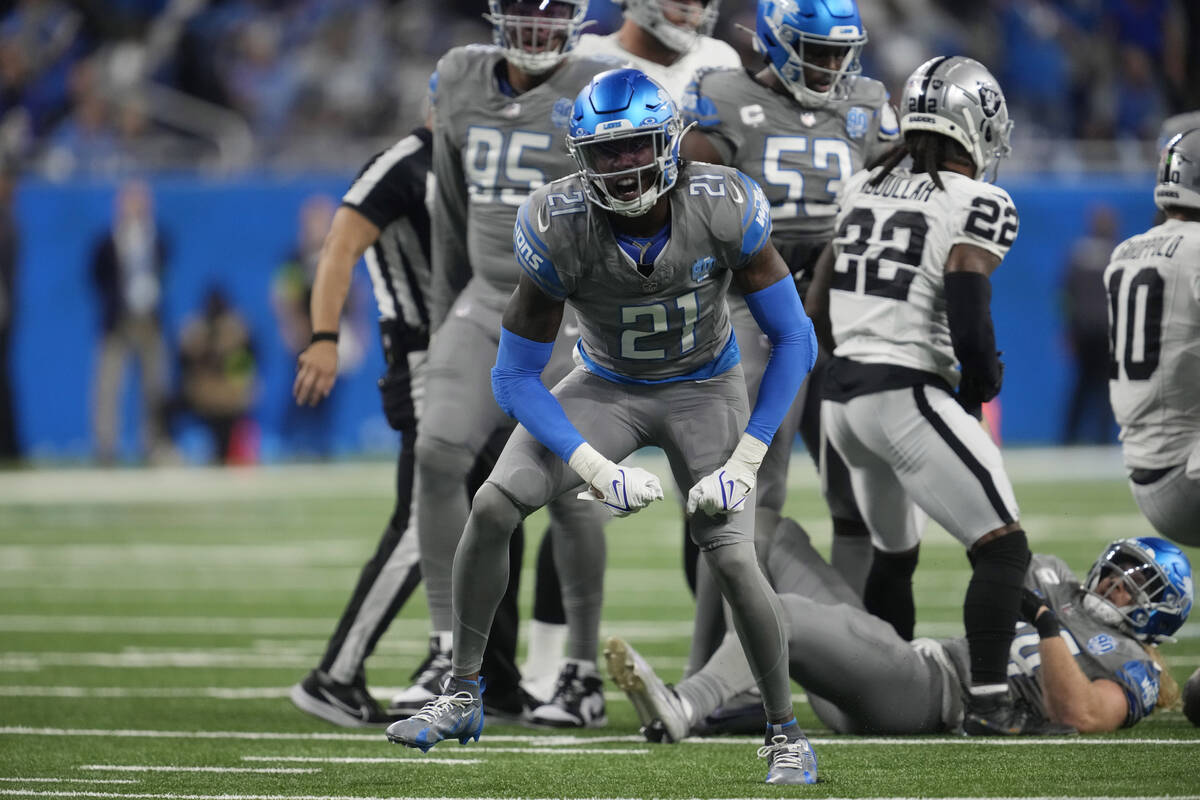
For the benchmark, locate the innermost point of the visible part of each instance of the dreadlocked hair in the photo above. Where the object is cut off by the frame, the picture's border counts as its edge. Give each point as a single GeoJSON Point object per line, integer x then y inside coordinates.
{"type": "Point", "coordinates": [929, 151]}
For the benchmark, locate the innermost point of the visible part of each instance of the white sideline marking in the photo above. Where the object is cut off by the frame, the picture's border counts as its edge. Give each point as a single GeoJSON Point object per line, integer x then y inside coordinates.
{"type": "Point", "coordinates": [569, 741]}
{"type": "Point", "coordinates": [60, 487]}
{"type": "Point", "coordinates": [70, 780]}
{"type": "Point", "coordinates": [149, 768]}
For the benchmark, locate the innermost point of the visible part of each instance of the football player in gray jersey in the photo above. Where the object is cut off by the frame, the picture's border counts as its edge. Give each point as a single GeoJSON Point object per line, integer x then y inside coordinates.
{"type": "Point", "coordinates": [643, 249]}
{"type": "Point", "coordinates": [1085, 658]}
{"type": "Point", "coordinates": [907, 283]}
{"type": "Point", "coordinates": [499, 114]}
{"type": "Point", "coordinates": [1154, 325]}
{"type": "Point", "coordinates": [668, 40]}
{"type": "Point", "coordinates": [800, 126]}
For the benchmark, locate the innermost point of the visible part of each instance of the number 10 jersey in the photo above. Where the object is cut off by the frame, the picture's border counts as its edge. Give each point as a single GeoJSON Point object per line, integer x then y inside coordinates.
{"type": "Point", "coordinates": [887, 298]}
{"type": "Point", "coordinates": [1153, 284]}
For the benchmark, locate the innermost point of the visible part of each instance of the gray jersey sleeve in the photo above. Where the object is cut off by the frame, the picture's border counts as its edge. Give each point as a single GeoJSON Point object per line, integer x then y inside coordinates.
{"type": "Point", "coordinates": [698, 107]}
{"type": "Point", "coordinates": [450, 265]}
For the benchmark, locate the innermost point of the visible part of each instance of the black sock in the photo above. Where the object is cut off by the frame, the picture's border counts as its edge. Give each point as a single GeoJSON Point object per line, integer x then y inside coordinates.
{"type": "Point", "coordinates": [993, 604]}
{"type": "Point", "coordinates": [888, 594]}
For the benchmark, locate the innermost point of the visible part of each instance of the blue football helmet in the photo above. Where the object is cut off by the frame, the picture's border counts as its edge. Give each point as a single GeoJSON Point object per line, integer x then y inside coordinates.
{"type": "Point", "coordinates": [1155, 573]}
{"type": "Point", "coordinates": [784, 28]}
{"type": "Point", "coordinates": [536, 35]}
{"type": "Point", "coordinates": [624, 135]}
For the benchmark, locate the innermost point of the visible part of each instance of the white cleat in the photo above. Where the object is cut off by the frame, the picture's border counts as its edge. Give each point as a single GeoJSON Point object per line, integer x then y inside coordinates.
{"type": "Point", "coordinates": [658, 707]}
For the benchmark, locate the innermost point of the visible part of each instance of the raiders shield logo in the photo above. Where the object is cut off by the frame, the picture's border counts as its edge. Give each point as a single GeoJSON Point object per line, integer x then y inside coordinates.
{"type": "Point", "coordinates": [989, 100]}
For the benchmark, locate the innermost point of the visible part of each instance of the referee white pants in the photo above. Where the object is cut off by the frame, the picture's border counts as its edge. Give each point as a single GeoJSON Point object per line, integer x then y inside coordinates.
{"type": "Point", "coordinates": [915, 449]}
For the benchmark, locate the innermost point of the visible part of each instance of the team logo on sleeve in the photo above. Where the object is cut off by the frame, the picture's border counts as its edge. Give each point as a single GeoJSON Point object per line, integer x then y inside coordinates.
{"type": "Point", "coordinates": [1101, 643]}
{"type": "Point", "coordinates": [702, 268]}
{"type": "Point", "coordinates": [856, 122]}
{"type": "Point", "coordinates": [560, 115]}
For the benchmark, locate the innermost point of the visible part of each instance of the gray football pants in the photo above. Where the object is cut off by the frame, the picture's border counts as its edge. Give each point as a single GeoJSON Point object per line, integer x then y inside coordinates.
{"type": "Point", "coordinates": [1172, 503]}
{"type": "Point", "coordinates": [460, 415]}
{"type": "Point", "coordinates": [697, 424]}
{"type": "Point", "coordinates": [860, 676]}
{"type": "Point", "coordinates": [851, 557]}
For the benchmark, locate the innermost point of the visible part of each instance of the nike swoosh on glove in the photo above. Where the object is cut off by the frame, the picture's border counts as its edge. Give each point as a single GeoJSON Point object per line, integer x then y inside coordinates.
{"type": "Point", "coordinates": [725, 490]}
{"type": "Point", "coordinates": [621, 490]}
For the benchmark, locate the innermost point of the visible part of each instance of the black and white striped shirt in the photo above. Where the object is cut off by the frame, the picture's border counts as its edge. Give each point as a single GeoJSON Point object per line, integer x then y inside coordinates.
{"type": "Point", "coordinates": [391, 192]}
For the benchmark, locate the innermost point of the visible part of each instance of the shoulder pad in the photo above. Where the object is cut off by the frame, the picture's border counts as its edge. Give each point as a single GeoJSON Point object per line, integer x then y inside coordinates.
{"type": "Point", "coordinates": [868, 91]}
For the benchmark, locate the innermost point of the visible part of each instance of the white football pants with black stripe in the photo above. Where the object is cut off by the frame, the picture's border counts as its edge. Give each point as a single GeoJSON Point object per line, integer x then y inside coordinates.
{"type": "Point", "coordinates": [1172, 503]}
{"type": "Point", "coordinates": [916, 448]}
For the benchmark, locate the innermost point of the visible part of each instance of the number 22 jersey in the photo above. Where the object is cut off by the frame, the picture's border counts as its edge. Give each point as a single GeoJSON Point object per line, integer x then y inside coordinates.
{"type": "Point", "coordinates": [887, 299]}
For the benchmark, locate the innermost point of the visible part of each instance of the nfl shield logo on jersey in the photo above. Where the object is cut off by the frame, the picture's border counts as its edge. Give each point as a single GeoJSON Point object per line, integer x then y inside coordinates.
{"type": "Point", "coordinates": [1101, 643]}
{"type": "Point", "coordinates": [856, 122]}
{"type": "Point", "coordinates": [561, 113]}
{"type": "Point", "coordinates": [702, 267]}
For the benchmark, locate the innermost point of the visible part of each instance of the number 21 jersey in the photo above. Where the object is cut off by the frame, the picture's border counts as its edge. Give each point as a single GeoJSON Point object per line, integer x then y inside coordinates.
{"type": "Point", "coordinates": [887, 299]}
{"type": "Point", "coordinates": [1153, 284]}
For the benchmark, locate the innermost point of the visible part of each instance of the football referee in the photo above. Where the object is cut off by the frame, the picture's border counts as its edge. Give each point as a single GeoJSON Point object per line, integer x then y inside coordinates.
{"type": "Point", "coordinates": [384, 216]}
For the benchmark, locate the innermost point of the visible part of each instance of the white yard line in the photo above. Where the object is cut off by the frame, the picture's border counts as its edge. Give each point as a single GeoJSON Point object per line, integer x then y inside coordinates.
{"type": "Point", "coordinates": [70, 780]}
{"type": "Point", "coordinates": [353, 760]}
{"type": "Point", "coordinates": [478, 749]}
{"type": "Point", "coordinates": [151, 768]}
{"type": "Point", "coordinates": [571, 740]}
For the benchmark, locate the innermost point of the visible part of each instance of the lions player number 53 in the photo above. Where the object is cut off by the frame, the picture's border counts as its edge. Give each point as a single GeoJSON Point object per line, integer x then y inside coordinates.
{"type": "Point", "coordinates": [492, 160]}
{"type": "Point", "coordinates": [780, 168]}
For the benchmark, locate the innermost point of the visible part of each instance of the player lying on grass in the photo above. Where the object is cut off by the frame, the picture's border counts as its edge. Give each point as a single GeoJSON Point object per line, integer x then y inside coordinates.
{"type": "Point", "coordinates": [1084, 659]}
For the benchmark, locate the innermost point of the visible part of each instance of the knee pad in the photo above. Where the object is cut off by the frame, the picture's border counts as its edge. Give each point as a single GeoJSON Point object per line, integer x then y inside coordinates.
{"type": "Point", "coordinates": [495, 509]}
{"type": "Point", "coordinates": [443, 460]}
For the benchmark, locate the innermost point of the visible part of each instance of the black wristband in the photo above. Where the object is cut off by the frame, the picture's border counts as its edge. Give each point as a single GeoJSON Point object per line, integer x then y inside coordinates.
{"type": "Point", "coordinates": [323, 336]}
{"type": "Point", "coordinates": [1047, 625]}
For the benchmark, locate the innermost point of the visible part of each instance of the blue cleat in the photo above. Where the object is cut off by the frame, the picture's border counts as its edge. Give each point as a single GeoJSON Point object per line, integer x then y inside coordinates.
{"type": "Point", "coordinates": [458, 716]}
{"type": "Point", "coordinates": [790, 762]}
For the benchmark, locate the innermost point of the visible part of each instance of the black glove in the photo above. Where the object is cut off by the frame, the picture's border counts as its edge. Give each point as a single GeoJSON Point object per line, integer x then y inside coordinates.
{"type": "Point", "coordinates": [1047, 624]}
{"type": "Point", "coordinates": [395, 389]}
{"type": "Point", "coordinates": [980, 385]}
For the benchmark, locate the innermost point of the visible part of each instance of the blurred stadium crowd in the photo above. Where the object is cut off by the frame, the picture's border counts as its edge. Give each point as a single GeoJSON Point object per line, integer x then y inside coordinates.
{"type": "Point", "coordinates": [104, 87]}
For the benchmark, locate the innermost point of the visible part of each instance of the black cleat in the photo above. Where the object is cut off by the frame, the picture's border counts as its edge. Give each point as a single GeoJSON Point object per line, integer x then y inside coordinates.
{"type": "Point", "coordinates": [348, 705]}
{"type": "Point", "coordinates": [998, 715]}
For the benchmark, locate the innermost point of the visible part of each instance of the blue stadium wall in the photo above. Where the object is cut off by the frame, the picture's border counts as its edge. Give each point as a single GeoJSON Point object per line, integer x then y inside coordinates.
{"type": "Point", "coordinates": [235, 233]}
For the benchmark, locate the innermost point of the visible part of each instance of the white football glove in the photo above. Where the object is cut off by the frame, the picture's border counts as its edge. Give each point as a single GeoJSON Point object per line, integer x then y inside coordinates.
{"type": "Point", "coordinates": [622, 490]}
{"type": "Point", "coordinates": [725, 490]}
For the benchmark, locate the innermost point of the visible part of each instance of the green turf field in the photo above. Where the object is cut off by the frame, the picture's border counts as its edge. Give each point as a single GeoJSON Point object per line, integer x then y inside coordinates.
{"type": "Point", "coordinates": [152, 623]}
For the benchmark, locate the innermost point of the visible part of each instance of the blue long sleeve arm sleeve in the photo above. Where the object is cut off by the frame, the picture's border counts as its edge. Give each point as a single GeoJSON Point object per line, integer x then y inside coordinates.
{"type": "Point", "coordinates": [780, 315]}
{"type": "Point", "coordinates": [517, 385]}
